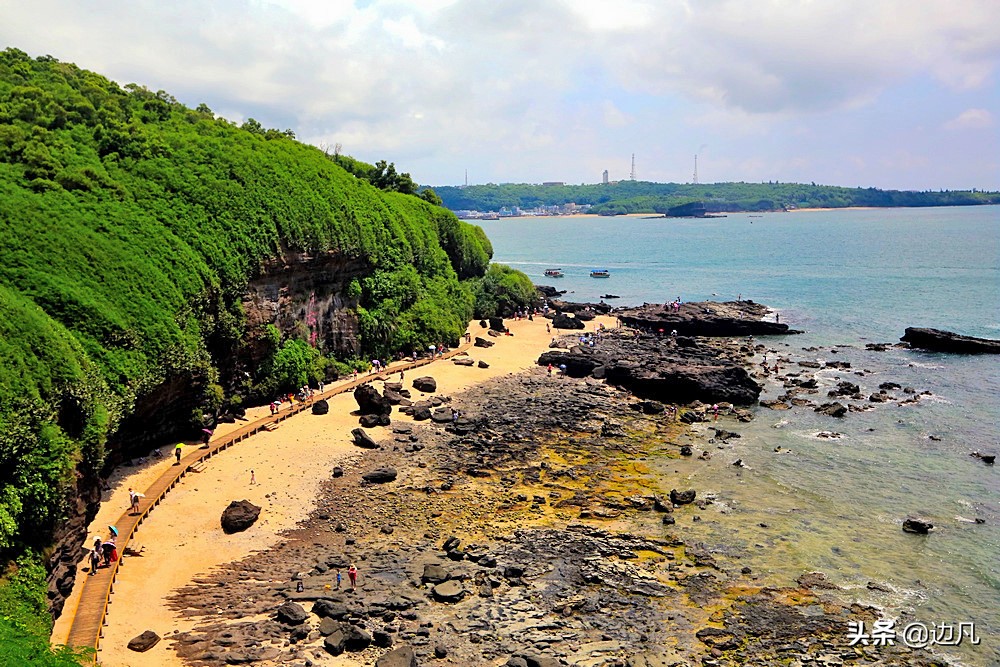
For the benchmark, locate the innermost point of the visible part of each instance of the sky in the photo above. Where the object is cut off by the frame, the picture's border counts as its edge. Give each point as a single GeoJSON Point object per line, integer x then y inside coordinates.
{"type": "Point", "coordinates": [901, 94]}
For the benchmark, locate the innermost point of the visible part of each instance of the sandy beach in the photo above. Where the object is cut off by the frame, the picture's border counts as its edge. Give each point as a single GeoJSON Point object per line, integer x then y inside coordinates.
{"type": "Point", "coordinates": [182, 538]}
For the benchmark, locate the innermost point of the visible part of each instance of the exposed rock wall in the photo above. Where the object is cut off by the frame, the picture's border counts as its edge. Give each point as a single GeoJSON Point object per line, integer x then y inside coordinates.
{"type": "Point", "coordinates": [308, 295]}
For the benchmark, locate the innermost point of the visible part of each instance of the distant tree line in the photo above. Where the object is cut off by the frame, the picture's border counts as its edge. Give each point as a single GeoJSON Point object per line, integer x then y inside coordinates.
{"type": "Point", "coordinates": [646, 197]}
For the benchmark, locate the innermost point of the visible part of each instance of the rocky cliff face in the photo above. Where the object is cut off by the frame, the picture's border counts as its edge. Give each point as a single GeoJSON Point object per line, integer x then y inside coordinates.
{"type": "Point", "coordinates": [297, 290]}
{"type": "Point", "coordinates": [306, 294]}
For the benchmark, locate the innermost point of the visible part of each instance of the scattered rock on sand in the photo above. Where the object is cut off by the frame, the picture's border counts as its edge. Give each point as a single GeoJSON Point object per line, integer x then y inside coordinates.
{"type": "Point", "coordinates": [426, 384]}
{"type": "Point", "coordinates": [321, 407]}
{"type": "Point", "coordinates": [449, 591]}
{"type": "Point", "coordinates": [240, 515]}
{"type": "Point", "coordinates": [144, 642]}
{"type": "Point", "coordinates": [362, 439]}
{"type": "Point", "coordinates": [483, 342]}
{"type": "Point", "coordinates": [380, 475]}
{"type": "Point", "coordinates": [402, 656]}
{"type": "Point", "coordinates": [370, 402]}
{"type": "Point", "coordinates": [292, 613]}
{"type": "Point", "coordinates": [464, 361]}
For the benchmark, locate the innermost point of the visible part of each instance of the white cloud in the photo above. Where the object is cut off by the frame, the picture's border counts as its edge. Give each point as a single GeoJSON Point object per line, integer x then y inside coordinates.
{"type": "Point", "coordinates": [440, 85]}
{"type": "Point", "coordinates": [971, 119]}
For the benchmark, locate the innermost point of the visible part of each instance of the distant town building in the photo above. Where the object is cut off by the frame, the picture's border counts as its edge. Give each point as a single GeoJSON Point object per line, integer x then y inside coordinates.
{"type": "Point", "coordinates": [553, 183]}
{"type": "Point", "coordinates": [605, 178]}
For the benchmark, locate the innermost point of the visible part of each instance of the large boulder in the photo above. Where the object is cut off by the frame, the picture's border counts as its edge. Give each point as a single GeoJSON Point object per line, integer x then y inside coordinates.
{"type": "Point", "coordinates": [484, 342]}
{"type": "Point", "coordinates": [947, 341]}
{"type": "Point", "coordinates": [356, 638]}
{"type": "Point", "coordinates": [393, 396]}
{"type": "Point", "coordinates": [578, 364]}
{"type": "Point", "coordinates": [449, 591]}
{"type": "Point", "coordinates": [682, 497]}
{"type": "Point", "coordinates": [832, 409]}
{"type": "Point", "coordinates": [321, 407]}
{"type": "Point", "coordinates": [426, 384]}
{"type": "Point", "coordinates": [292, 613]}
{"type": "Point", "coordinates": [496, 324]}
{"type": "Point", "coordinates": [362, 439]}
{"type": "Point", "coordinates": [434, 574]}
{"type": "Point", "coordinates": [564, 321]}
{"type": "Point", "coordinates": [371, 421]}
{"type": "Point", "coordinates": [144, 642]}
{"type": "Point", "coordinates": [380, 475]}
{"type": "Point", "coordinates": [240, 515]}
{"type": "Point", "coordinates": [401, 656]}
{"type": "Point", "coordinates": [370, 402]}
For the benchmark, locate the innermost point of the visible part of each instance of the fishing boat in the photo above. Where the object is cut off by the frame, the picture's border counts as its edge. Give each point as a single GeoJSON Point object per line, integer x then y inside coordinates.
{"type": "Point", "coordinates": [554, 273]}
{"type": "Point", "coordinates": [600, 273]}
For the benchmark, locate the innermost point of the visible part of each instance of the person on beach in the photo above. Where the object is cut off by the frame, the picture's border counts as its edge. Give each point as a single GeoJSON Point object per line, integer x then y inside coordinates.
{"type": "Point", "coordinates": [133, 501]}
{"type": "Point", "coordinates": [777, 318]}
{"type": "Point", "coordinates": [177, 453]}
{"type": "Point", "coordinates": [106, 549]}
{"type": "Point", "coordinates": [253, 478]}
{"type": "Point", "coordinates": [715, 411]}
{"type": "Point", "coordinates": [338, 579]}
{"type": "Point", "coordinates": [550, 370]}
{"type": "Point", "coordinates": [95, 561]}
{"type": "Point", "coordinates": [352, 574]}
{"type": "Point", "coordinates": [400, 374]}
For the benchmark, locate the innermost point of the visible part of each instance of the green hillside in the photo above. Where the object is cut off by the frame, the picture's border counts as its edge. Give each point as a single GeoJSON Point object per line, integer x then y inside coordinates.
{"type": "Point", "coordinates": [645, 197]}
{"type": "Point", "coordinates": [131, 226]}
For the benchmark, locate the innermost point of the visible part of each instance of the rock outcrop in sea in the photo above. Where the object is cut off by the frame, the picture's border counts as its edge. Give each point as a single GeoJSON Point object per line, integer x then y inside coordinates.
{"type": "Point", "coordinates": [947, 341]}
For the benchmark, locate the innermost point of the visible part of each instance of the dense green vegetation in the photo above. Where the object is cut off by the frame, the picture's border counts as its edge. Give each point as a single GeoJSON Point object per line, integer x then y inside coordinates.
{"type": "Point", "coordinates": [131, 226]}
{"type": "Point", "coordinates": [644, 197]}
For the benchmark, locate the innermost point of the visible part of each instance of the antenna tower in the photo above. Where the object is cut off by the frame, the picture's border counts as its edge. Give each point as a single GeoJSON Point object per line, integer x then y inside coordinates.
{"type": "Point", "coordinates": [695, 178]}
{"type": "Point", "coordinates": [466, 178]}
{"type": "Point", "coordinates": [632, 173]}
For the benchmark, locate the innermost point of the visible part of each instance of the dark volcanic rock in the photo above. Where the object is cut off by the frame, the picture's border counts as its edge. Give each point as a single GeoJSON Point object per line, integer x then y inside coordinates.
{"type": "Point", "coordinates": [292, 613]}
{"type": "Point", "coordinates": [362, 439]}
{"type": "Point", "coordinates": [918, 526]}
{"type": "Point", "coordinates": [578, 364]}
{"type": "Point", "coordinates": [380, 475]}
{"type": "Point", "coordinates": [564, 321]}
{"type": "Point", "coordinates": [483, 342]}
{"type": "Point", "coordinates": [449, 591]}
{"type": "Point", "coordinates": [434, 574]}
{"type": "Point", "coordinates": [320, 407]}
{"type": "Point", "coordinates": [240, 515]}
{"type": "Point", "coordinates": [683, 382]}
{"type": "Point", "coordinates": [144, 642]}
{"type": "Point", "coordinates": [426, 384]}
{"type": "Point", "coordinates": [370, 402]}
{"type": "Point", "coordinates": [832, 409]}
{"type": "Point", "coordinates": [947, 341]}
{"type": "Point", "coordinates": [682, 497]}
{"type": "Point", "coordinates": [371, 421]}
{"type": "Point", "coordinates": [496, 324]}
{"type": "Point", "coordinates": [402, 656]}
{"type": "Point", "coordinates": [464, 361]}
{"type": "Point", "coordinates": [733, 318]}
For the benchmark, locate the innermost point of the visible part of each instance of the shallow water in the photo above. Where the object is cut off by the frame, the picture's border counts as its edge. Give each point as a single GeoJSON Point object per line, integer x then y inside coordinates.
{"type": "Point", "coordinates": [846, 278]}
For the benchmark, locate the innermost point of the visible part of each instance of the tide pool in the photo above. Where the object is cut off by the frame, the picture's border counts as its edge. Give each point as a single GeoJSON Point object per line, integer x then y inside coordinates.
{"type": "Point", "coordinates": [832, 504]}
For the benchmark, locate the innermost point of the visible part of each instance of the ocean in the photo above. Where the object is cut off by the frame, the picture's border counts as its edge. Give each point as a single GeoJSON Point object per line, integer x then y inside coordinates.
{"type": "Point", "coordinates": [802, 502]}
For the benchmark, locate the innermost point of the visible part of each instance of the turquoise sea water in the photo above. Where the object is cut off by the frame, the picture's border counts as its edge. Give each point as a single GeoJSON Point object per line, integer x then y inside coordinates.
{"type": "Point", "coordinates": [834, 505]}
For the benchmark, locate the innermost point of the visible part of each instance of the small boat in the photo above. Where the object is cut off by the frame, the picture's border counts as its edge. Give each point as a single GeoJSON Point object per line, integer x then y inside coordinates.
{"type": "Point", "coordinates": [600, 273]}
{"type": "Point", "coordinates": [610, 296]}
{"type": "Point", "coordinates": [554, 273]}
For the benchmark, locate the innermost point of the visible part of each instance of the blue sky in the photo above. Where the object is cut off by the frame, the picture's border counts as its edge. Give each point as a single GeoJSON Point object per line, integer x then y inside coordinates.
{"type": "Point", "coordinates": [892, 93]}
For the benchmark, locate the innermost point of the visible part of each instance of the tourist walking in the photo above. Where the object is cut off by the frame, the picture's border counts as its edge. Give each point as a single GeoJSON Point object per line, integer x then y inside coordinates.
{"type": "Point", "coordinates": [352, 574]}
{"type": "Point", "coordinates": [134, 501]}
{"type": "Point", "coordinates": [177, 453]}
{"type": "Point", "coordinates": [95, 561]}
{"type": "Point", "coordinates": [253, 477]}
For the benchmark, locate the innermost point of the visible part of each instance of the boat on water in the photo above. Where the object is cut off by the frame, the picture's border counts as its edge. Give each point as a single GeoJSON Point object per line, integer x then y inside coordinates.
{"type": "Point", "coordinates": [554, 273]}
{"type": "Point", "coordinates": [600, 273]}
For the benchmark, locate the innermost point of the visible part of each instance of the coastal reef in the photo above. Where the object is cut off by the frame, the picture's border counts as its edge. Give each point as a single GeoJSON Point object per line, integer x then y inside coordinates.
{"type": "Point", "coordinates": [532, 531]}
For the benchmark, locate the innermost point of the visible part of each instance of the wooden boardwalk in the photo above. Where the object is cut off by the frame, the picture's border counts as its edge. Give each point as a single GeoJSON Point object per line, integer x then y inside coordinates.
{"type": "Point", "coordinates": [92, 610]}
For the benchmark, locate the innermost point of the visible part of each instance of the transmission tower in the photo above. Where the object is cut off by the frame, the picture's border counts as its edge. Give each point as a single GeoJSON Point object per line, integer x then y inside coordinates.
{"type": "Point", "coordinates": [632, 173]}
{"type": "Point", "coordinates": [695, 177]}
